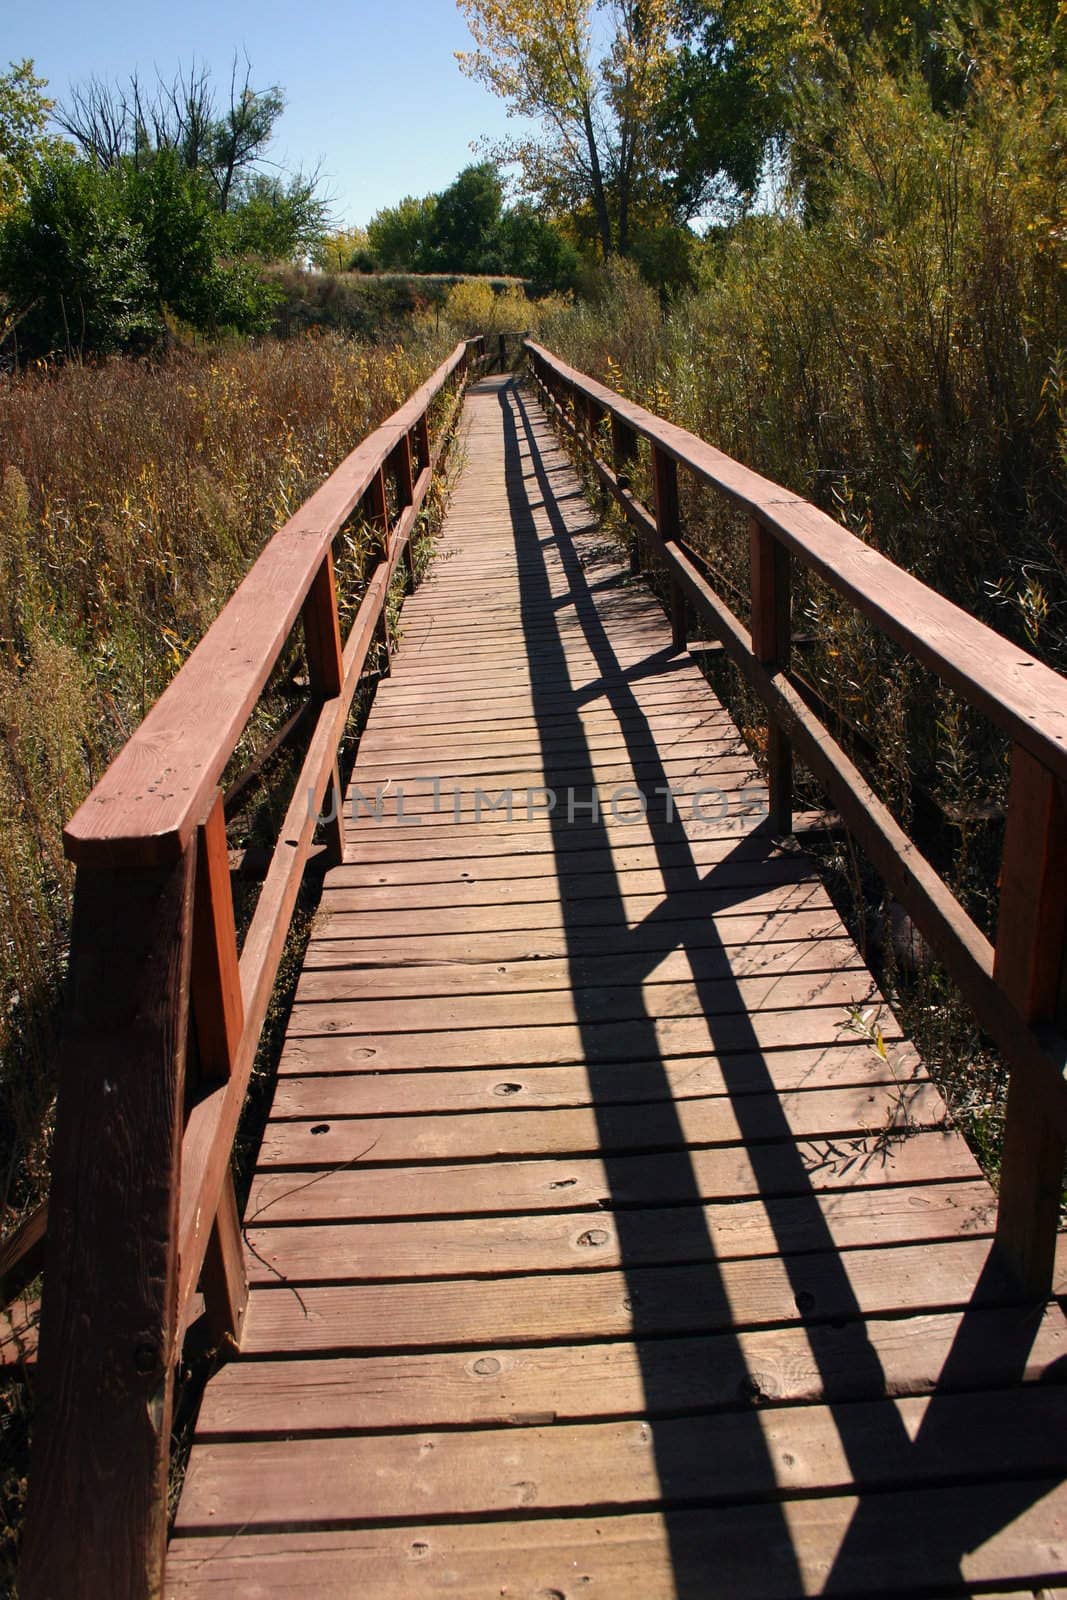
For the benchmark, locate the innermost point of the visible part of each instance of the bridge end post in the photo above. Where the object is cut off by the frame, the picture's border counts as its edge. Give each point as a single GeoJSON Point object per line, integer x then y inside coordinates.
{"type": "Point", "coordinates": [97, 1514]}
{"type": "Point", "coordinates": [1030, 968]}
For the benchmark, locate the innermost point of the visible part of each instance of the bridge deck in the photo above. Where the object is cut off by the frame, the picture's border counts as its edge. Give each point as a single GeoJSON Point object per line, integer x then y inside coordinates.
{"type": "Point", "coordinates": [598, 1248]}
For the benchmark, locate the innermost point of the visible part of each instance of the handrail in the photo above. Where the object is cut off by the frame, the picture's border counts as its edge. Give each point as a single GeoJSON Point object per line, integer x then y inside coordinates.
{"type": "Point", "coordinates": [1016, 988]}
{"type": "Point", "coordinates": [164, 1018]}
{"type": "Point", "coordinates": [1013, 688]}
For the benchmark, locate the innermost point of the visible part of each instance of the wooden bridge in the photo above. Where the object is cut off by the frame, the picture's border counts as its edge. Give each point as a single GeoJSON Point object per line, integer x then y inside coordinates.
{"type": "Point", "coordinates": [606, 1237]}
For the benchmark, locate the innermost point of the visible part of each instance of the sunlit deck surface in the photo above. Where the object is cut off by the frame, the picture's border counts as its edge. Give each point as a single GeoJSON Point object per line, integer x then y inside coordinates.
{"type": "Point", "coordinates": [598, 1247]}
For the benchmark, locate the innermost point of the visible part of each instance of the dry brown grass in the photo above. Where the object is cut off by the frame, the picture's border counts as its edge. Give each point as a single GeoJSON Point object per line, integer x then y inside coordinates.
{"type": "Point", "coordinates": [132, 500]}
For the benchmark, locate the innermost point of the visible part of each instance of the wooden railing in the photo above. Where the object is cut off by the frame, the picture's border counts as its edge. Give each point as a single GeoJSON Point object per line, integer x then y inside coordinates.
{"type": "Point", "coordinates": [164, 1017]}
{"type": "Point", "coordinates": [1017, 988]}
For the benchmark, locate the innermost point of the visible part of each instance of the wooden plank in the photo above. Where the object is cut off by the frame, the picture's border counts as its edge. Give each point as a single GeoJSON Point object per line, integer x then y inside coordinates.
{"type": "Point", "coordinates": [22, 1253]}
{"type": "Point", "coordinates": [334, 946]}
{"type": "Point", "coordinates": [225, 1281]}
{"type": "Point", "coordinates": [723, 1173]}
{"type": "Point", "coordinates": [363, 1093]}
{"type": "Point", "coordinates": [602, 1043]}
{"type": "Point", "coordinates": [772, 632]}
{"type": "Point", "coordinates": [218, 1005]}
{"type": "Point", "coordinates": [377, 979]}
{"type": "Point", "coordinates": [363, 1012]}
{"type": "Point", "coordinates": [590, 1241]}
{"type": "Point", "coordinates": [643, 1301]}
{"type": "Point", "coordinates": [589, 913]}
{"type": "Point", "coordinates": [728, 1457]}
{"type": "Point", "coordinates": [1029, 965]}
{"type": "Point", "coordinates": [322, 633]}
{"type": "Point", "coordinates": [507, 1385]}
{"type": "Point", "coordinates": [495, 857]}
{"type": "Point", "coordinates": [580, 1130]}
{"type": "Point", "coordinates": [767, 1553]}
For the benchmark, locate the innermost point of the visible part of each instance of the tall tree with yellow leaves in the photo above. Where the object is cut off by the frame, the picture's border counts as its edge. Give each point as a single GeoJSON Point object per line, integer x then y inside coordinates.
{"type": "Point", "coordinates": [600, 150]}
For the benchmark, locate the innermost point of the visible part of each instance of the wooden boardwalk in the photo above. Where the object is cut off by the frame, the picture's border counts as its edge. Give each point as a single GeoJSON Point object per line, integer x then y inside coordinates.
{"type": "Point", "coordinates": [597, 1247]}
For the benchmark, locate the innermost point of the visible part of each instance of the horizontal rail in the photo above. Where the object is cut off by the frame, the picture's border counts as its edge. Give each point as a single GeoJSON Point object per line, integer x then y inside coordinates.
{"type": "Point", "coordinates": [148, 803]}
{"type": "Point", "coordinates": [1013, 688]}
{"type": "Point", "coordinates": [1016, 988]}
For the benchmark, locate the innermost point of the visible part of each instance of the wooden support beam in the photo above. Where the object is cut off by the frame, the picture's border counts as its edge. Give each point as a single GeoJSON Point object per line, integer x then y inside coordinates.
{"type": "Point", "coordinates": [376, 505]}
{"type": "Point", "coordinates": [332, 822]}
{"type": "Point", "coordinates": [97, 1518]}
{"type": "Point", "coordinates": [218, 1013]}
{"type": "Point", "coordinates": [772, 646]}
{"type": "Point", "coordinates": [218, 1010]}
{"type": "Point", "coordinates": [1029, 966]}
{"type": "Point", "coordinates": [322, 633]}
{"type": "Point", "coordinates": [669, 527]}
{"type": "Point", "coordinates": [422, 441]}
{"type": "Point", "coordinates": [400, 466]}
{"type": "Point", "coordinates": [223, 1279]}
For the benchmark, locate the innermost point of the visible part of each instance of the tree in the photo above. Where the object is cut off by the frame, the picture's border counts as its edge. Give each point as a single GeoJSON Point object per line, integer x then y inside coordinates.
{"type": "Point", "coordinates": [400, 235]}
{"type": "Point", "coordinates": [601, 148]}
{"type": "Point", "coordinates": [24, 113]}
{"type": "Point", "coordinates": [111, 123]}
{"type": "Point", "coordinates": [275, 219]}
{"type": "Point", "coordinates": [73, 263]}
{"type": "Point", "coordinates": [528, 246]}
{"type": "Point", "coordinates": [464, 219]}
{"type": "Point", "coordinates": [343, 250]}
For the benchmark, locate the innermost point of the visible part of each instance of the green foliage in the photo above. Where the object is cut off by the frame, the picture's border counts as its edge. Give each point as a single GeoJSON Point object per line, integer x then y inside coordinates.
{"type": "Point", "coordinates": [24, 113]}
{"type": "Point", "coordinates": [73, 261]}
{"type": "Point", "coordinates": [465, 229]}
{"type": "Point", "coordinates": [95, 258]}
{"type": "Point", "coordinates": [155, 224]}
{"type": "Point", "coordinates": [275, 219]}
{"type": "Point", "coordinates": [465, 218]}
{"type": "Point", "coordinates": [399, 236]}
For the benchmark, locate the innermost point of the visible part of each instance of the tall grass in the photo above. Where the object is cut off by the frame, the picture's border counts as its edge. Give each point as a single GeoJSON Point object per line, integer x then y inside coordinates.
{"type": "Point", "coordinates": [132, 500]}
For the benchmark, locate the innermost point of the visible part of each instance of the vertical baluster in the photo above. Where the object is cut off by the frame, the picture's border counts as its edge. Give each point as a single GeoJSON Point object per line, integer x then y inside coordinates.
{"type": "Point", "coordinates": [378, 513]}
{"type": "Point", "coordinates": [623, 456]}
{"type": "Point", "coordinates": [772, 645]}
{"type": "Point", "coordinates": [669, 527]}
{"type": "Point", "coordinates": [401, 471]}
{"type": "Point", "coordinates": [218, 1015]}
{"type": "Point", "coordinates": [1029, 966]}
{"type": "Point", "coordinates": [326, 670]}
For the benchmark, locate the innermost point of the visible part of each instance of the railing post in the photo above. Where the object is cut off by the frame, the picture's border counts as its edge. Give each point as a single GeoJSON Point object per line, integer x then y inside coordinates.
{"type": "Point", "coordinates": [669, 527]}
{"type": "Point", "coordinates": [326, 671]}
{"type": "Point", "coordinates": [1029, 966]}
{"type": "Point", "coordinates": [322, 633]}
{"type": "Point", "coordinates": [772, 645]}
{"type": "Point", "coordinates": [401, 469]}
{"type": "Point", "coordinates": [218, 1014]}
{"type": "Point", "coordinates": [623, 456]}
{"type": "Point", "coordinates": [422, 441]}
{"type": "Point", "coordinates": [97, 1518]}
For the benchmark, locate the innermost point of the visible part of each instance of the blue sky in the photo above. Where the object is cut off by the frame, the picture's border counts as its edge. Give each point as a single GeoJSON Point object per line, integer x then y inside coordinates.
{"type": "Point", "coordinates": [372, 89]}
